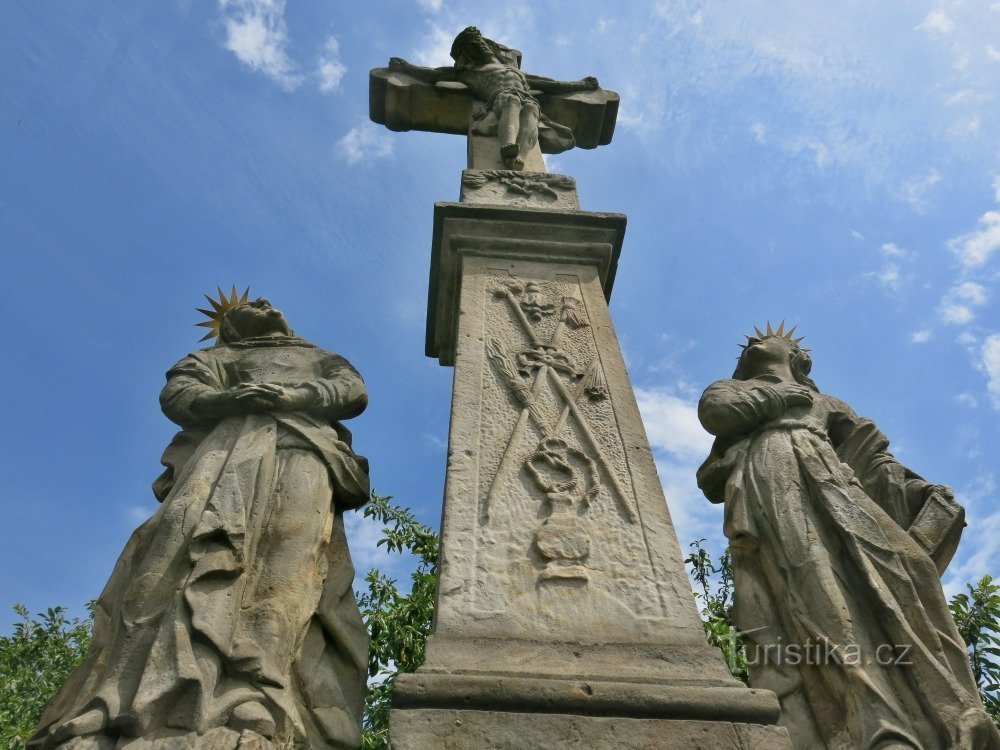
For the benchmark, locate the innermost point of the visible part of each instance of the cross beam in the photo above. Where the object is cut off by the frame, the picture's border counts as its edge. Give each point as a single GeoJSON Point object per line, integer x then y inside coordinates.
{"type": "Point", "coordinates": [511, 117]}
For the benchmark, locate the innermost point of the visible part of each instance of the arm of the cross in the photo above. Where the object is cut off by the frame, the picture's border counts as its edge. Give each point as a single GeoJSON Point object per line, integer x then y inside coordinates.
{"type": "Point", "coordinates": [401, 101]}
{"type": "Point", "coordinates": [552, 86]}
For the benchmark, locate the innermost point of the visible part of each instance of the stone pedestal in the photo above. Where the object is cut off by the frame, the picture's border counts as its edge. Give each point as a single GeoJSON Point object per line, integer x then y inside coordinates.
{"type": "Point", "coordinates": [564, 616]}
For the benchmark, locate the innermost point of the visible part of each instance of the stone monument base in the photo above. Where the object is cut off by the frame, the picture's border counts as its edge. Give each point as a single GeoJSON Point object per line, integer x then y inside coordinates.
{"type": "Point", "coordinates": [514, 711]}
{"type": "Point", "coordinates": [438, 729]}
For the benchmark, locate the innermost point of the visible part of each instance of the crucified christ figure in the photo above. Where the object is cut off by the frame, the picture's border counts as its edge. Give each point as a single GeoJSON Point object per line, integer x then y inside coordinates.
{"type": "Point", "coordinates": [509, 110]}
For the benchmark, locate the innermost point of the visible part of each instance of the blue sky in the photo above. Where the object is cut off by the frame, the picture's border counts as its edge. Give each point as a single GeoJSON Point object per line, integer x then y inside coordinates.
{"type": "Point", "coordinates": [833, 164]}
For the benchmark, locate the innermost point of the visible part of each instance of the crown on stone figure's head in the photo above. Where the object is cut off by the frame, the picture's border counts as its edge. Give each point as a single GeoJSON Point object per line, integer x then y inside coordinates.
{"type": "Point", "coordinates": [798, 358]}
{"type": "Point", "coordinates": [219, 309]}
{"type": "Point", "coordinates": [770, 333]}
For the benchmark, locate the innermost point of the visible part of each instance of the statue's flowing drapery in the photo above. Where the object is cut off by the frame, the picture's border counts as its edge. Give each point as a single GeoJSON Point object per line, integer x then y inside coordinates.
{"type": "Point", "coordinates": [817, 512]}
{"type": "Point", "coordinates": [234, 601]}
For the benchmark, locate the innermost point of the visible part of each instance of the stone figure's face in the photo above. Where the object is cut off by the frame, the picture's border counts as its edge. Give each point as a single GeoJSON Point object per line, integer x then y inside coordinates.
{"type": "Point", "coordinates": [474, 51]}
{"type": "Point", "coordinates": [257, 318]}
{"type": "Point", "coordinates": [761, 353]}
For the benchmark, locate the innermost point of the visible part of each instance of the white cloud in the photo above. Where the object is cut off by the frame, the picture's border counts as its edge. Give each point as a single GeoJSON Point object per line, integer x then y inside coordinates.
{"type": "Point", "coordinates": [363, 535]}
{"type": "Point", "coordinates": [938, 21]}
{"type": "Point", "coordinates": [915, 190]}
{"type": "Point", "coordinates": [672, 424]}
{"type": "Point", "coordinates": [980, 548]}
{"type": "Point", "coordinates": [965, 96]}
{"type": "Point", "coordinates": [889, 277]}
{"type": "Point", "coordinates": [966, 128]}
{"type": "Point", "coordinates": [431, 6]}
{"type": "Point", "coordinates": [890, 248]}
{"type": "Point", "coordinates": [920, 337]}
{"type": "Point", "coordinates": [991, 364]}
{"type": "Point", "coordinates": [864, 99]}
{"type": "Point", "coordinates": [330, 70]}
{"type": "Point", "coordinates": [857, 235]}
{"type": "Point", "coordinates": [819, 150]}
{"type": "Point", "coordinates": [958, 303]}
{"type": "Point", "coordinates": [436, 49]}
{"type": "Point", "coordinates": [996, 188]}
{"type": "Point", "coordinates": [364, 142]}
{"type": "Point", "coordinates": [256, 33]}
{"type": "Point", "coordinates": [967, 399]}
{"type": "Point", "coordinates": [759, 131]}
{"type": "Point", "coordinates": [632, 118]}
{"type": "Point", "coordinates": [976, 247]}
{"type": "Point", "coordinates": [971, 292]}
{"type": "Point", "coordinates": [957, 314]}
{"type": "Point", "coordinates": [680, 445]}
{"type": "Point", "coordinates": [436, 442]}
{"type": "Point", "coordinates": [139, 513]}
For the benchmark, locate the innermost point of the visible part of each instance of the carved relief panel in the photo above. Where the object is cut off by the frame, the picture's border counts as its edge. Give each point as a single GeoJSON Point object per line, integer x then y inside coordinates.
{"type": "Point", "coordinates": [555, 523]}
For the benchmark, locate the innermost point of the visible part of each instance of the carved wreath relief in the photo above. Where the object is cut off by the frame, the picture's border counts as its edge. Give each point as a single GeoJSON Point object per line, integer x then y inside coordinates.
{"type": "Point", "coordinates": [555, 476]}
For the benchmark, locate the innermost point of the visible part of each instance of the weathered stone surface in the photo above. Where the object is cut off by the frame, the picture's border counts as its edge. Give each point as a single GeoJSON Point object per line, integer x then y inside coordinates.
{"type": "Point", "coordinates": [707, 699]}
{"type": "Point", "coordinates": [558, 237]}
{"type": "Point", "coordinates": [495, 730]}
{"type": "Point", "coordinates": [403, 102]}
{"type": "Point", "coordinates": [506, 187]}
{"type": "Point", "coordinates": [510, 112]}
{"type": "Point", "coordinates": [541, 400]}
{"type": "Point", "coordinates": [561, 585]}
{"type": "Point", "coordinates": [483, 152]}
{"type": "Point", "coordinates": [229, 622]}
{"type": "Point", "coordinates": [837, 549]}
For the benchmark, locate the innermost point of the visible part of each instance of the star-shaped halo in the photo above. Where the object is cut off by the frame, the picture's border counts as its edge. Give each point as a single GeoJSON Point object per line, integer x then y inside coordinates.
{"type": "Point", "coordinates": [219, 308]}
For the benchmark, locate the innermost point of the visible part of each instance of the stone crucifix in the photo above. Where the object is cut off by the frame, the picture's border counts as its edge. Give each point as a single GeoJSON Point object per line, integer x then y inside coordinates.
{"type": "Point", "coordinates": [511, 117]}
{"type": "Point", "coordinates": [563, 614]}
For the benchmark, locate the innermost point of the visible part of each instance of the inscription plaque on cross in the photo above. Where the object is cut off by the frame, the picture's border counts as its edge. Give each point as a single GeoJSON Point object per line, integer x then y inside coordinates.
{"type": "Point", "coordinates": [564, 616]}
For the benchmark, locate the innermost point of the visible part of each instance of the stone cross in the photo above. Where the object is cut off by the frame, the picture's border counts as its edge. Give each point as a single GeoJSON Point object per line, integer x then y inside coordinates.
{"type": "Point", "coordinates": [564, 616]}
{"type": "Point", "coordinates": [510, 117]}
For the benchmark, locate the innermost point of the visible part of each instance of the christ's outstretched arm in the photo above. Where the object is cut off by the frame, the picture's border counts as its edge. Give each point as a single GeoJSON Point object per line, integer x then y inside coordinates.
{"type": "Point", "coordinates": [552, 86]}
{"type": "Point", "coordinates": [430, 75]}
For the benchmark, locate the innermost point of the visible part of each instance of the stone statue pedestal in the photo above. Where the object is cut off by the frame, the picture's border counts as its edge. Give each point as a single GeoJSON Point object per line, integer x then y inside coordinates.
{"type": "Point", "coordinates": [564, 615]}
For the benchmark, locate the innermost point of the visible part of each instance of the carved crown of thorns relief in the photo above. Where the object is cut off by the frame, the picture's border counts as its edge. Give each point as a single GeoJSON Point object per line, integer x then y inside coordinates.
{"type": "Point", "coordinates": [545, 363]}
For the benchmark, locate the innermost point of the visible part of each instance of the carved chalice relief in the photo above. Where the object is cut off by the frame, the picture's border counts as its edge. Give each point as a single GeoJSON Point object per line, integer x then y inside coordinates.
{"type": "Point", "coordinates": [568, 478]}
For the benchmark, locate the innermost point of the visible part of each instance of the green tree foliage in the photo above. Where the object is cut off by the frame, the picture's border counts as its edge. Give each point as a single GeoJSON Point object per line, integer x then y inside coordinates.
{"type": "Point", "coordinates": [715, 599]}
{"type": "Point", "coordinates": [977, 614]}
{"type": "Point", "coordinates": [398, 622]}
{"type": "Point", "coordinates": [34, 662]}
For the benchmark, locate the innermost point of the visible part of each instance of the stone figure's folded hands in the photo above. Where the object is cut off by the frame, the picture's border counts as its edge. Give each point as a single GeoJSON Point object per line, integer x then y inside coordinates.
{"type": "Point", "coordinates": [272, 396]}
{"type": "Point", "coordinates": [793, 394]}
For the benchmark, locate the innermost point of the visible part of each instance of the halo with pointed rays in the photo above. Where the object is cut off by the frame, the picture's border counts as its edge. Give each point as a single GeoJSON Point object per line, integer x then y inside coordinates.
{"type": "Point", "coordinates": [219, 308]}
{"type": "Point", "coordinates": [781, 333]}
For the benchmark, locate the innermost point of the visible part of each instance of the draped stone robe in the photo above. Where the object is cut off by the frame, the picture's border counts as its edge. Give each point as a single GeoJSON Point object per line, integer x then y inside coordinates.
{"type": "Point", "coordinates": [238, 589]}
{"type": "Point", "coordinates": [841, 608]}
